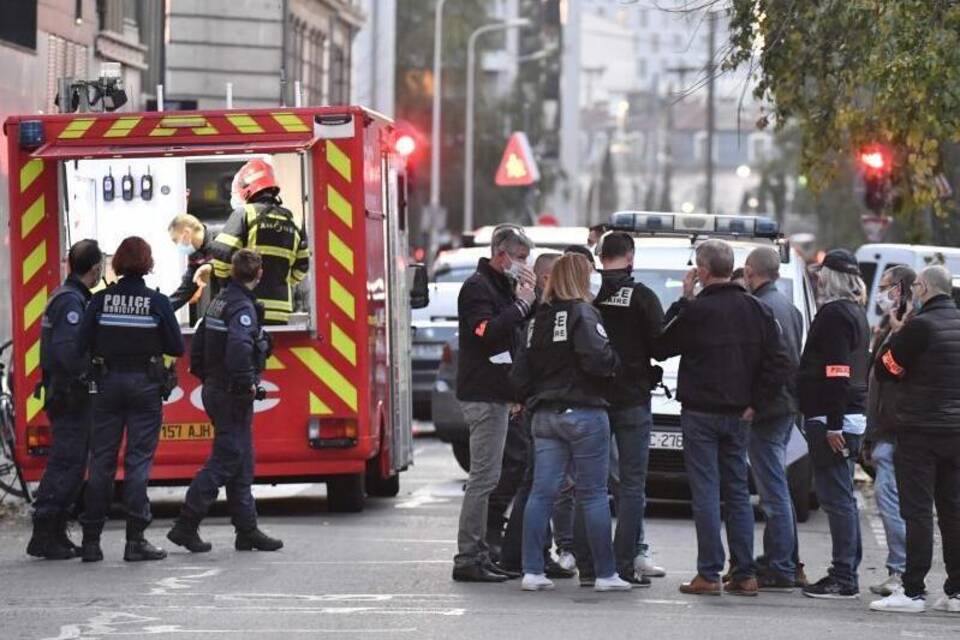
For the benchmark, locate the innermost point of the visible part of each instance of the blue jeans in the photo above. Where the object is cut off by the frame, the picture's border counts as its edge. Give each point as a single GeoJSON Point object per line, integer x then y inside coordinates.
{"type": "Point", "coordinates": [768, 460]}
{"type": "Point", "coordinates": [631, 427]}
{"type": "Point", "coordinates": [715, 456]}
{"type": "Point", "coordinates": [833, 480]}
{"type": "Point", "coordinates": [581, 435]}
{"type": "Point", "coordinates": [888, 504]}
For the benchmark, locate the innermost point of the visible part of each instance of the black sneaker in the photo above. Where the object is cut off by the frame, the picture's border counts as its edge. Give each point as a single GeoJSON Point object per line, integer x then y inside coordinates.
{"type": "Point", "coordinates": [771, 581]}
{"type": "Point", "coordinates": [830, 588]}
{"type": "Point", "coordinates": [91, 552]}
{"type": "Point", "coordinates": [638, 581]}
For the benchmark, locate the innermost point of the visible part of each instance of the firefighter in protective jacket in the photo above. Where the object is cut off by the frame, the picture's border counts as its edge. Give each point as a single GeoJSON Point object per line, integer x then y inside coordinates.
{"type": "Point", "coordinates": [261, 224]}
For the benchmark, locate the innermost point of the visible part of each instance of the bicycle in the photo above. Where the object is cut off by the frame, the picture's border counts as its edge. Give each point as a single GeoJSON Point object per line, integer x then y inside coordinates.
{"type": "Point", "coordinates": [11, 476]}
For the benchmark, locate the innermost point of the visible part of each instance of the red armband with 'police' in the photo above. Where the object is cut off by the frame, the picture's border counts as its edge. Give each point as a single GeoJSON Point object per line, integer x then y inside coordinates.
{"type": "Point", "coordinates": [891, 365]}
{"type": "Point", "coordinates": [838, 371]}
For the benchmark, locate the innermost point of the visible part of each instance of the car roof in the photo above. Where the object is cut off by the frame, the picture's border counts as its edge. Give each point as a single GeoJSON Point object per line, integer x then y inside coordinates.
{"type": "Point", "coordinates": [662, 253]}
{"type": "Point", "coordinates": [469, 256]}
{"type": "Point", "coordinates": [912, 249]}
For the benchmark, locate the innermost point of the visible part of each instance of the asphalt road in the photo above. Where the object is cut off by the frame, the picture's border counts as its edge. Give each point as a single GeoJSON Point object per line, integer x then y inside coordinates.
{"type": "Point", "coordinates": [386, 573]}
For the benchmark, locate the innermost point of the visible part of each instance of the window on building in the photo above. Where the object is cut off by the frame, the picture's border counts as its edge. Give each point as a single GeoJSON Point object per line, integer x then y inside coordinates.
{"type": "Point", "coordinates": [339, 74]}
{"type": "Point", "coordinates": [65, 59]}
{"type": "Point", "coordinates": [19, 23]}
{"type": "Point", "coordinates": [306, 63]}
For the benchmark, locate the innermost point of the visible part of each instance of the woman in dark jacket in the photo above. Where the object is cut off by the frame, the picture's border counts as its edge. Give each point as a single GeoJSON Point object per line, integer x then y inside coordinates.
{"type": "Point", "coordinates": [562, 368]}
{"type": "Point", "coordinates": [832, 390]}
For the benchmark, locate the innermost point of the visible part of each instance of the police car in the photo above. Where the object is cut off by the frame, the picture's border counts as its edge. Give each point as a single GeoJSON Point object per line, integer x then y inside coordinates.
{"type": "Point", "coordinates": [665, 246]}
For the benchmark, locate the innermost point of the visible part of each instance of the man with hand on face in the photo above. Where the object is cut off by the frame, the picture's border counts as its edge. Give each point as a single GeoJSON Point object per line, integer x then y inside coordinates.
{"type": "Point", "coordinates": [193, 242]}
{"type": "Point", "coordinates": [492, 306]}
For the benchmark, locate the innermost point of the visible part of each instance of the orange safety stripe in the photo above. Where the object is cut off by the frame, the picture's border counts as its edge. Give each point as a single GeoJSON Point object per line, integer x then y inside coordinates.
{"type": "Point", "coordinates": [838, 371]}
{"type": "Point", "coordinates": [891, 364]}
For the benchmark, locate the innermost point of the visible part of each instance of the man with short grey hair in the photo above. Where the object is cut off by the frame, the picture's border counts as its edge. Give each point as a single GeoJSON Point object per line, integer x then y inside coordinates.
{"type": "Point", "coordinates": [923, 358]}
{"type": "Point", "coordinates": [492, 306]}
{"type": "Point", "coordinates": [732, 362]}
{"type": "Point", "coordinates": [771, 432]}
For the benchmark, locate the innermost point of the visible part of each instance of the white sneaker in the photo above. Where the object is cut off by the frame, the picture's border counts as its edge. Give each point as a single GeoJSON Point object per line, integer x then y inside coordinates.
{"type": "Point", "coordinates": [886, 587]}
{"type": "Point", "coordinates": [643, 565]}
{"type": "Point", "coordinates": [947, 603]}
{"type": "Point", "coordinates": [536, 582]}
{"type": "Point", "coordinates": [613, 583]}
{"type": "Point", "coordinates": [899, 602]}
{"type": "Point", "coordinates": [567, 561]}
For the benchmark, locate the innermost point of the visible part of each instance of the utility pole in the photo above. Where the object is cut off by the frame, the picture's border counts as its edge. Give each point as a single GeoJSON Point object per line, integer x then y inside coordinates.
{"type": "Point", "coordinates": [711, 112]}
{"type": "Point", "coordinates": [673, 96]}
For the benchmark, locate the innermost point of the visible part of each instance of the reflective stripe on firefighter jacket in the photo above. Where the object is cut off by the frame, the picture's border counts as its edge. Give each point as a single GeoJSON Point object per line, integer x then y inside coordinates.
{"type": "Point", "coordinates": [270, 230]}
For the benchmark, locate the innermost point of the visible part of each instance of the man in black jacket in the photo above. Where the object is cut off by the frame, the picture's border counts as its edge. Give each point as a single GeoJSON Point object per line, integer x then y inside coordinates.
{"type": "Point", "coordinates": [732, 360]}
{"type": "Point", "coordinates": [923, 357]}
{"type": "Point", "coordinates": [492, 306]}
{"type": "Point", "coordinates": [193, 242]}
{"type": "Point", "coordinates": [771, 431]}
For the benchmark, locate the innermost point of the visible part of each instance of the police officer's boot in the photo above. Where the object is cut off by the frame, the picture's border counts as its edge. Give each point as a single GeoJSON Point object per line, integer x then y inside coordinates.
{"type": "Point", "coordinates": [90, 550]}
{"type": "Point", "coordinates": [138, 549]}
{"type": "Point", "coordinates": [185, 533]}
{"type": "Point", "coordinates": [44, 543]}
{"type": "Point", "coordinates": [63, 537]}
{"type": "Point", "coordinates": [254, 539]}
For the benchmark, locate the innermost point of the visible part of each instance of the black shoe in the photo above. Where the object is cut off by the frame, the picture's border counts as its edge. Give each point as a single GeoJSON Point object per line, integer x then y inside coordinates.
{"type": "Point", "coordinates": [587, 580]}
{"type": "Point", "coordinates": [771, 581]}
{"type": "Point", "coordinates": [254, 539]}
{"type": "Point", "coordinates": [63, 537]}
{"type": "Point", "coordinates": [832, 589]}
{"type": "Point", "coordinates": [476, 573]}
{"type": "Point", "coordinates": [185, 534]}
{"type": "Point", "coordinates": [638, 582]}
{"type": "Point", "coordinates": [554, 571]}
{"type": "Point", "coordinates": [44, 542]}
{"type": "Point", "coordinates": [91, 552]}
{"type": "Point", "coordinates": [141, 550]}
{"type": "Point", "coordinates": [493, 567]}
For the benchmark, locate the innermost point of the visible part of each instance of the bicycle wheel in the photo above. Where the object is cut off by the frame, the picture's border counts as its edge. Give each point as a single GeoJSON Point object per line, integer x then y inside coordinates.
{"type": "Point", "coordinates": [11, 479]}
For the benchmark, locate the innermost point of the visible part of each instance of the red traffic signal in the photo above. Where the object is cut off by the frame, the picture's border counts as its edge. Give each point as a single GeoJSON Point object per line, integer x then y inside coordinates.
{"type": "Point", "coordinates": [875, 159]}
{"type": "Point", "coordinates": [405, 145]}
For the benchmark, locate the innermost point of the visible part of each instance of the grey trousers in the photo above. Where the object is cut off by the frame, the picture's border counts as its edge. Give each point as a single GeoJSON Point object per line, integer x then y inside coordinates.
{"type": "Point", "coordinates": [488, 433]}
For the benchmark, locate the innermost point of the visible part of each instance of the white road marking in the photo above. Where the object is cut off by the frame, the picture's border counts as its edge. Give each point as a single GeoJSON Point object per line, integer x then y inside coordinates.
{"type": "Point", "coordinates": [165, 585]}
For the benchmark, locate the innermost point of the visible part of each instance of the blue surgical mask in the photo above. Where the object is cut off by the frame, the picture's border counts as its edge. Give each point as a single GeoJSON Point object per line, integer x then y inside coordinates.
{"type": "Point", "coordinates": [185, 249]}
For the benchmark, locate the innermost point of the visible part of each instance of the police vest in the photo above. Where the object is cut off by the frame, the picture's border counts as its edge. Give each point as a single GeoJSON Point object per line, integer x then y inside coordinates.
{"type": "Point", "coordinates": [47, 327]}
{"type": "Point", "coordinates": [127, 331]}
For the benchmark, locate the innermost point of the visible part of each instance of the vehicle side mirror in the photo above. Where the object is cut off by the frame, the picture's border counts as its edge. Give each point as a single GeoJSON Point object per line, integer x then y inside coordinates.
{"type": "Point", "coordinates": [418, 286]}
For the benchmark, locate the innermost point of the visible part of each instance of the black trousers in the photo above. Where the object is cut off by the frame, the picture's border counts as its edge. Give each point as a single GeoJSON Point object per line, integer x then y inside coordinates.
{"type": "Point", "coordinates": [516, 451]}
{"type": "Point", "coordinates": [928, 473]}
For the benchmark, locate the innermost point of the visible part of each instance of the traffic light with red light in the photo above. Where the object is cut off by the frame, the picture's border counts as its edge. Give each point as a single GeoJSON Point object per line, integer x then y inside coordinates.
{"type": "Point", "coordinates": [876, 165]}
{"type": "Point", "coordinates": [405, 145]}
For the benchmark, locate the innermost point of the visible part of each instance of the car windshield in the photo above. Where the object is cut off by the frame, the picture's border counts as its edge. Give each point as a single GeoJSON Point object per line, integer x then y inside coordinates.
{"type": "Point", "coordinates": [668, 284]}
{"type": "Point", "coordinates": [453, 274]}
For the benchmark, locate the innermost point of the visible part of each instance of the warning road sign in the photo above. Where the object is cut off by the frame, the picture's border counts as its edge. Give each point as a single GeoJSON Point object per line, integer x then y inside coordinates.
{"type": "Point", "coordinates": [518, 167]}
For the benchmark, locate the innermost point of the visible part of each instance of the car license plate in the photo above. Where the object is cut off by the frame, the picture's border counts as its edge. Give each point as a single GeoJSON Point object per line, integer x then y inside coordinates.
{"type": "Point", "coordinates": [187, 431]}
{"type": "Point", "coordinates": [427, 351]}
{"type": "Point", "coordinates": [666, 440]}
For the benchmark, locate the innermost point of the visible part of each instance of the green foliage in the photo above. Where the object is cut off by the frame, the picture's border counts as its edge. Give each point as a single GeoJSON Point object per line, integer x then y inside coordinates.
{"type": "Point", "coordinates": [854, 72]}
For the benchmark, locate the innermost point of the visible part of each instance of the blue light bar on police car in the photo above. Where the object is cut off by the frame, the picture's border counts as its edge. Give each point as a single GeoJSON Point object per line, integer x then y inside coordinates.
{"type": "Point", "coordinates": [694, 224]}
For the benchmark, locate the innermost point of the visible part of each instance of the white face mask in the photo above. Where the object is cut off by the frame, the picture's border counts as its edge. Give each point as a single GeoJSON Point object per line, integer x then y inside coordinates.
{"type": "Point", "coordinates": [887, 302]}
{"type": "Point", "coordinates": [515, 268]}
{"type": "Point", "coordinates": [596, 281]}
{"type": "Point", "coordinates": [185, 249]}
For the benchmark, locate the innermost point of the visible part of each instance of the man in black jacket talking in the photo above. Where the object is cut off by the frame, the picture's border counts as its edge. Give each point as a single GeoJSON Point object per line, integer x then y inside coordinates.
{"type": "Point", "coordinates": [731, 361]}
{"type": "Point", "coordinates": [923, 358]}
{"type": "Point", "coordinates": [492, 306]}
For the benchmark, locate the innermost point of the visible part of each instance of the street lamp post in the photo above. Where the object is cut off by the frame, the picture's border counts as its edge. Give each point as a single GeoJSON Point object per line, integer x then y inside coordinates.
{"type": "Point", "coordinates": [468, 134]}
{"type": "Point", "coordinates": [437, 91]}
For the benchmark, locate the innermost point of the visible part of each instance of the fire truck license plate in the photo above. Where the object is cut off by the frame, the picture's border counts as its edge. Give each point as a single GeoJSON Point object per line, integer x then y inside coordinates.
{"type": "Point", "coordinates": [666, 440]}
{"type": "Point", "coordinates": [187, 431]}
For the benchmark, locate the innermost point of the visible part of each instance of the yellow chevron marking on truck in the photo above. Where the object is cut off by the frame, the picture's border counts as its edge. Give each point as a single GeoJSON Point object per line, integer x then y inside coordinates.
{"type": "Point", "coordinates": [29, 172]}
{"type": "Point", "coordinates": [77, 128]}
{"type": "Point", "coordinates": [341, 252]}
{"type": "Point", "coordinates": [340, 206]}
{"type": "Point", "coordinates": [290, 122]}
{"type": "Point", "coordinates": [32, 216]}
{"type": "Point", "coordinates": [317, 406]}
{"type": "Point", "coordinates": [34, 261]}
{"type": "Point", "coordinates": [31, 359]}
{"type": "Point", "coordinates": [122, 128]}
{"type": "Point", "coordinates": [338, 160]}
{"type": "Point", "coordinates": [343, 343]}
{"type": "Point", "coordinates": [244, 123]}
{"type": "Point", "coordinates": [341, 297]}
{"type": "Point", "coordinates": [34, 308]}
{"type": "Point", "coordinates": [327, 374]}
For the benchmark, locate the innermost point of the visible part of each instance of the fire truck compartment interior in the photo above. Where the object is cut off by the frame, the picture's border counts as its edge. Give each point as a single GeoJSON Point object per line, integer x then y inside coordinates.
{"type": "Point", "coordinates": [109, 199]}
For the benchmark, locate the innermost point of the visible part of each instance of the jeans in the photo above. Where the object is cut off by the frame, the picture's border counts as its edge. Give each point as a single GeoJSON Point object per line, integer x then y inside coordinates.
{"type": "Point", "coordinates": [768, 461]}
{"type": "Point", "coordinates": [488, 433]}
{"type": "Point", "coordinates": [833, 479]}
{"type": "Point", "coordinates": [583, 435]}
{"type": "Point", "coordinates": [230, 463]}
{"type": "Point", "coordinates": [715, 456]}
{"type": "Point", "coordinates": [512, 551]}
{"type": "Point", "coordinates": [888, 505]}
{"type": "Point", "coordinates": [127, 402]}
{"type": "Point", "coordinates": [928, 473]}
{"type": "Point", "coordinates": [62, 482]}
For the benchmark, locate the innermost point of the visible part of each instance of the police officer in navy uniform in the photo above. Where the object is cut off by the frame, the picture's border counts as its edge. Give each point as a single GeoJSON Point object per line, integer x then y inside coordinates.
{"type": "Point", "coordinates": [67, 403]}
{"type": "Point", "coordinates": [127, 328]}
{"type": "Point", "coordinates": [228, 353]}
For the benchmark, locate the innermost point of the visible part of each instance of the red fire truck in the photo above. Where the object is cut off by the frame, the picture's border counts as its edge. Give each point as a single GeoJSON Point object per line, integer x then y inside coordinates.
{"type": "Point", "coordinates": [338, 406]}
